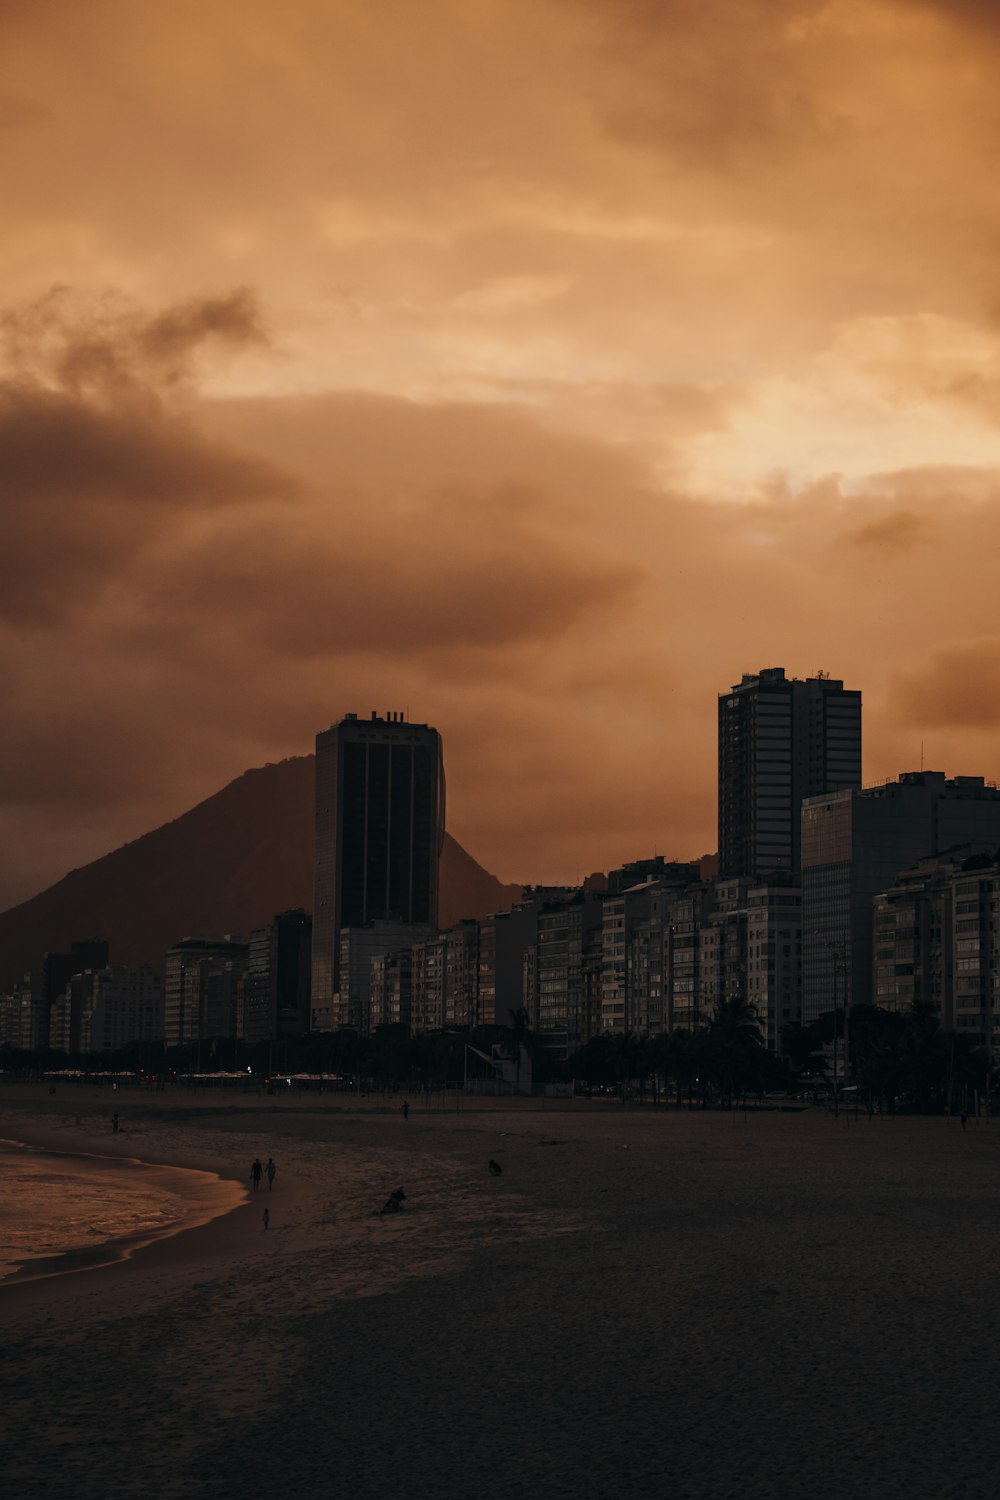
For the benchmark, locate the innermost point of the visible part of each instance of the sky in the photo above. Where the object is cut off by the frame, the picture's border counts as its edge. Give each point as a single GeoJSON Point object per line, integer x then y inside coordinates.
{"type": "Point", "coordinates": [533, 367]}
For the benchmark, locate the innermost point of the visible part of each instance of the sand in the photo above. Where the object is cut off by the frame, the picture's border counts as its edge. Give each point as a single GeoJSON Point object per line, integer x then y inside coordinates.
{"type": "Point", "coordinates": [644, 1303]}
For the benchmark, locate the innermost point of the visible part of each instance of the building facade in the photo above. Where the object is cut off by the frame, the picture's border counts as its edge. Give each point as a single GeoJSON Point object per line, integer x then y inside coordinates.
{"type": "Point", "coordinates": [774, 958]}
{"type": "Point", "coordinates": [203, 989]}
{"type": "Point", "coordinates": [277, 992]}
{"type": "Point", "coordinates": [380, 808]}
{"type": "Point", "coordinates": [780, 740]}
{"type": "Point", "coordinates": [122, 1007]}
{"type": "Point", "coordinates": [854, 845]}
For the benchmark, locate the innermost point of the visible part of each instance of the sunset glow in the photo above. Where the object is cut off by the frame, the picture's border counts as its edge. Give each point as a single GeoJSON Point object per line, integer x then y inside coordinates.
{"type": "Point", "coordinates": [533, 366]}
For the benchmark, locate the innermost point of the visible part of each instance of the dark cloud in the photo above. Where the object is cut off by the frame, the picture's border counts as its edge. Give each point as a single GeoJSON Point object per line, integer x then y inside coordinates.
{"type": "Point", "coordinates": [473, 566]}
{"type": "Point", "coordinates": [981, 15]}
{"type": "Point", "coordinates": [895, 533]}
{"type": "Point", "coordinates": [956, 686]}
{"type": "Point", "coordinates": [106, 347]}
{"type": "Point", "coordinates": [86, 489]}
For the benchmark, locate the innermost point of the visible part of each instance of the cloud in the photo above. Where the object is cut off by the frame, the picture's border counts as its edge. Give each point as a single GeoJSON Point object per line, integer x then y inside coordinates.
{"type": "Point", "coordinates": [523, 291]}
{"type": "Point", "coordinates": [107, 347]}
{"type": "Point", "coordinates": [956, 687]}
{"type": "Point", "coordinates": [892, 534]}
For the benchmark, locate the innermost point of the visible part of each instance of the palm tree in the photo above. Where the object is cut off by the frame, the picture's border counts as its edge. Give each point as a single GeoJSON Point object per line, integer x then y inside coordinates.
{"type": "Point", "coordinates": [736, 1052]}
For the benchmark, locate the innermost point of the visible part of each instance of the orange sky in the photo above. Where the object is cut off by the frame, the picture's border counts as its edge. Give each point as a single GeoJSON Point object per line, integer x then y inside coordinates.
{"type": "Point", "coordinates": [534, 366]}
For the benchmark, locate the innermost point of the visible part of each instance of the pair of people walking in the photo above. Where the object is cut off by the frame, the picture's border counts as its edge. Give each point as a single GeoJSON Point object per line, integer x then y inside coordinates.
{"type": "Point", "coordinates": [258, 1173]}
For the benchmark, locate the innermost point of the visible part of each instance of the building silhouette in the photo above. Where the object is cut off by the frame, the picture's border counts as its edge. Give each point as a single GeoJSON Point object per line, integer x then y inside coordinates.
{"type": "Point", "coordinates": [121, 1006]}
{"type": "Point", "coordinates": [380, 807]}
{"type": "Point", "coordinates": [855, 843]}
{"type": "Point", "coordinates": [781, 740]}
{"type": "Point", "coordinates": [276, 1003]}
{"type": "Point", "coordinates": [203, 989]}
{"type": "Point", "coordinates": [57, 971]}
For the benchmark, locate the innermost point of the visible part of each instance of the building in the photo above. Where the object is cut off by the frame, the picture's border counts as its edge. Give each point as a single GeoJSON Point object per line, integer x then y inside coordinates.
{"type": "Point", "coordinates": [684, 917]}
{"type": "Point", "coordinates": [203, 990]}
{"type": "Point", "coordinates": [854, 845]}
{"type": "Point", "coordinates": [780, 740]}
{"type": "Point", "coordinates": [19, 1013]}
{"type": "Point", "coordinates": [971, 965]}
{"type": "Point", "coordinates": [555, 982]}
{"type": "Point", "coordinates": [722, 939]}
{"type": "Point", "coordinates": [913, 937]}
{"type": "Point", "coordinates": [122, 1006]}
{"type": "Point", "coordinates": [461, 977]}
{"type": "Point", "coordinates": [774, 958]}
{"type": "Point", "coordinates": [633, 942]}
{"type": "Point", "coordinates": [359, 947]}
{"type": "Point", "coordinates": [392, 988]}
{"type": "Point", "coordinates": [276, 1002]}
{"type": "Point", "coordinates": [57, 971]}
{"type": "Point", "coordinates": [504, 940]}
{"type": "Point", "coordinates": [380, 808]}
{"type": "Point", "coordinates": [427, 1002]}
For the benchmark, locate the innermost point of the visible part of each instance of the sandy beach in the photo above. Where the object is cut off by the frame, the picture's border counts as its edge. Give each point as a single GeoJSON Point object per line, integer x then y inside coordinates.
{"type": "Point", "coordinates": [643, 1303]}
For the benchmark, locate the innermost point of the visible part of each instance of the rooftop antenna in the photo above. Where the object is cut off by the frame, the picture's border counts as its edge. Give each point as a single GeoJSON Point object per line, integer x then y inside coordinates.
{"type": "Point", "coordinates": [921, 755]}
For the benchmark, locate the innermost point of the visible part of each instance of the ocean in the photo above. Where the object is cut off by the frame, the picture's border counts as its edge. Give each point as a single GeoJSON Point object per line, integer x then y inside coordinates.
{"type": "Point", "coordinates": [61, 1212]}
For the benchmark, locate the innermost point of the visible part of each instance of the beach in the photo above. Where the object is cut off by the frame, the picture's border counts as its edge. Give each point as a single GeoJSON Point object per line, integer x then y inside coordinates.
{"type": "Point", "coordinates": [644, 1302]}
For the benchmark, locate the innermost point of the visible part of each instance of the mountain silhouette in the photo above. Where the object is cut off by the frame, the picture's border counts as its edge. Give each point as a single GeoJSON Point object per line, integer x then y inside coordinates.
{"type": "Point", "coordinates": [229, 864]}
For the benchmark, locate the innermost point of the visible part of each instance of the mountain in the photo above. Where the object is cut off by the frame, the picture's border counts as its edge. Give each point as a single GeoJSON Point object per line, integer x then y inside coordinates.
{"type": "Point", "coordinates": [227, 865]}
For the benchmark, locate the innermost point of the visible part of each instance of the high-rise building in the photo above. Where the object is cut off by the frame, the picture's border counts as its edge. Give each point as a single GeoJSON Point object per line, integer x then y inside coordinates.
{"type": "Point", "coordinates": [380, 805]}
{"type": "Point", "coordinates": [57, 971]}
{"type": "Point", "coordinates": [781, 739]}
{"type": "Point", "coordinates": [203, 989]}
{"type": "Point", "coordinates": [359, 947]}
{"type": "Point", "coordinates": [276, 1004]}
{"type": "Point", "coordinates": [774, 958]}
{"type": "Point", "coordinates": [122, 1005]}
{"type": "Point", "coordinates": [854, 845]}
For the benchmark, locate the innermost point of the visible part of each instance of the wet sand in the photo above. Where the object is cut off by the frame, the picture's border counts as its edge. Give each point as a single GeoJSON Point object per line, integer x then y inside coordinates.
{"type": "Point", "coordinates": [644, 1303]}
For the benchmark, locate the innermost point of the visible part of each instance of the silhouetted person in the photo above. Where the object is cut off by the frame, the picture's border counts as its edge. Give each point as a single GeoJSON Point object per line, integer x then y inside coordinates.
{"type": "Point", "coordinates": [256, 1173]}
{"type": "Point", "coordinates": [406, 1109]}
{"type": "Point", "coordinates": [114, 1123]}
{"type": "Point", "coordinates": [964, 1119]}
{"type": "Point", "coordinates": [495, 1168]}
{"type": "Point", "coordinates": [270, 1169]}
{"type": "Point", "coordinates": [267, 1217]}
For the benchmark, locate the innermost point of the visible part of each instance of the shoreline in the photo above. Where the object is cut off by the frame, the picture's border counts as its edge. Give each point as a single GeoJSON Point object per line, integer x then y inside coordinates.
{"type": "Point", "coordinates": [211, 1194]}
{"type": "Point", "coordinates": [202, 1196]}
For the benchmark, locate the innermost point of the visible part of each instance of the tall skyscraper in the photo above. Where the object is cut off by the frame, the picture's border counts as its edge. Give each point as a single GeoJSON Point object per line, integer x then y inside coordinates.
{"type": "Point", "coordinates": [781, 739]}
{"type": "Point", "coordinates": [380, 804]}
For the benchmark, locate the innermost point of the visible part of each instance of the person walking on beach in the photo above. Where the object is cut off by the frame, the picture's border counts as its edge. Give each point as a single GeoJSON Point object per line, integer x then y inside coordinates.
{"type": "Point", "coordinates": [406, 1109]}
{"type": "Point", "coordinates": [256, 1173]}
{"type": "Point", "coordinates": [267, 1217]}
{"type": "Point", "coordinates": [114, 1123]}
{"type": "Point", "coordinates": [270, 1169]}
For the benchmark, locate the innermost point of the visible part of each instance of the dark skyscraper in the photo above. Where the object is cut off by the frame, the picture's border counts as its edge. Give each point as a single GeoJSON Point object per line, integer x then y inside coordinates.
{"type": "Point", "coordinates": [780, 740]}
{"type": "Point", "coordinates": [380, 805]}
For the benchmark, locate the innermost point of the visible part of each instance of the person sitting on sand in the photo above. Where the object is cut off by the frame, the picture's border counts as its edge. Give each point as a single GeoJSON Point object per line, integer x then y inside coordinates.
{"type": "Point", "coordinates": [256, 1173]}
{"type": "Point", "coordinates": [270, 1169]}
{"type": "Point", "coordinates": [394, 1203]}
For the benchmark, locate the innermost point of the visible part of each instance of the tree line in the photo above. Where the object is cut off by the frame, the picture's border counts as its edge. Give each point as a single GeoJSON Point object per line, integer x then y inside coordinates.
{"type": "Point", "coordinates": [888, 1061]}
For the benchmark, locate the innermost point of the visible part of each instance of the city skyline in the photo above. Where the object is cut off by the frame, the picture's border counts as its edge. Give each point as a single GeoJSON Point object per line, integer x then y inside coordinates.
{"type": "Point", "coordinates": [339, 375]}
